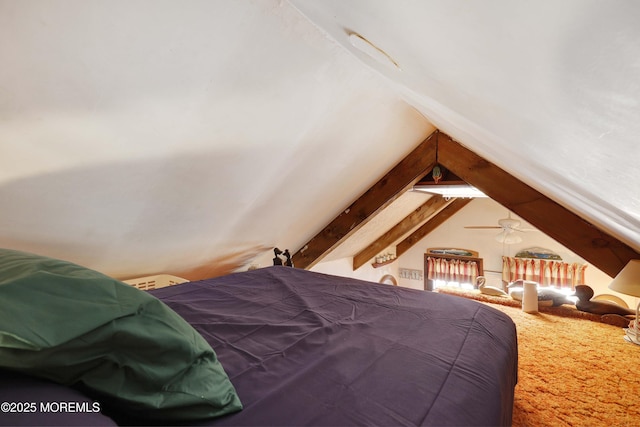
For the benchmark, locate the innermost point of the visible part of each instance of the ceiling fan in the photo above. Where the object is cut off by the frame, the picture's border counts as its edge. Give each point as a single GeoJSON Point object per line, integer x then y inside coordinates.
{"type": "Point", "coordinates": [509, 227]}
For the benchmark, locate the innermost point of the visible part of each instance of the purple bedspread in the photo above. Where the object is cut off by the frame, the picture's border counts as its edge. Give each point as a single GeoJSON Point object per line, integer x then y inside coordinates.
{"type": "Point", "coordinates": [305, 348]}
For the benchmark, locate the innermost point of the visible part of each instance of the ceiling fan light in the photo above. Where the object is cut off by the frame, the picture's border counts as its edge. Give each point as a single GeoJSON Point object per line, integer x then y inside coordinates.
{"type": "Point", "coordinates": [508, 238]}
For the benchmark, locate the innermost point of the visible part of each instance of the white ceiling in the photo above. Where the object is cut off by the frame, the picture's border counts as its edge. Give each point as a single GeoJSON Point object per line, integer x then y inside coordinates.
{"type": "Point", "coordinates": [147, 136]}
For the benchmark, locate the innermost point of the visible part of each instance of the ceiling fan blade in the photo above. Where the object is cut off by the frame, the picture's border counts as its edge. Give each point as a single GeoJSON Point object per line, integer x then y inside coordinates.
{"type": "Point", "coordinates": [522, 230]}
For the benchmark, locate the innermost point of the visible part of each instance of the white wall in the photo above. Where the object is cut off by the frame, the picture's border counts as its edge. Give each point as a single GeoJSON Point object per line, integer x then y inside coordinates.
{"type": "Point", "coordinates": [344, 267]}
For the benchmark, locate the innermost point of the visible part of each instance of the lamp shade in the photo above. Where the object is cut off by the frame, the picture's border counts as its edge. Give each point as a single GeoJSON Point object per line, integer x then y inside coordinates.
{"type": "Point", "coordinates": [628, 280]}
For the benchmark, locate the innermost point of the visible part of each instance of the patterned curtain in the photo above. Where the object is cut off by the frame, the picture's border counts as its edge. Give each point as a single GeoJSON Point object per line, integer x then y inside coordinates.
{"type": "Point", "coordinates": [546, 272]}
{"type": "Point", "coordinates": [452, 270]}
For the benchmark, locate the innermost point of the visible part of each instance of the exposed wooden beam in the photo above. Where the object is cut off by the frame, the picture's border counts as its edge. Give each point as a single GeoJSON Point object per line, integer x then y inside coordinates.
{"type": "Point", "coordinates": [432, 224]}
{"type": "Point", "coordinates": [417, 217]}
{"type": "Point", "coordinates": [596, 246]}
{"type": "Point", "coordinates": [401, 178]}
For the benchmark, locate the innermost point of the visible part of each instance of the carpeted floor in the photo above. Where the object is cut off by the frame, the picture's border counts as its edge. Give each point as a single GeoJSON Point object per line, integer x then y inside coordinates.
{"type": "Point", "coordinates": [573, 372]}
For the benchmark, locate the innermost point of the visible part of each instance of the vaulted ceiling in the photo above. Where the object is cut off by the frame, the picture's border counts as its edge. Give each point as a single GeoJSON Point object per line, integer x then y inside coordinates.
{"type": "Point", "coordinates": [596, 246]}
{"type": "Point", "coordinates": [193, 136]}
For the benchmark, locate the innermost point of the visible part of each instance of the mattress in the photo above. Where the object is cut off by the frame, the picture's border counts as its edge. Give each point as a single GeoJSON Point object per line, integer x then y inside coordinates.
{"type": "Point", "coordinates": [305, 348]}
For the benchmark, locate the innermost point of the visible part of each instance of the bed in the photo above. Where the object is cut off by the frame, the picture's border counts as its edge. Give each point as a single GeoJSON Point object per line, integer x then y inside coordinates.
{"type": "Point", "coordinates": [298, 348]}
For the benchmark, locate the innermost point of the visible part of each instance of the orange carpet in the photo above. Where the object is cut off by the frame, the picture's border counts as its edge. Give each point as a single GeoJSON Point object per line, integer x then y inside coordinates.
{"type": "Point", "coordinates": [574, 372]}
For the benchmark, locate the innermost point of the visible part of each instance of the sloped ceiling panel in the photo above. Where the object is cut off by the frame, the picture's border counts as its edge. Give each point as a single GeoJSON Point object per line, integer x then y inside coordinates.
{"type": "Point", "coordinates": [144, 137]}
{"type": "Point", "coordinates": [549, 91]}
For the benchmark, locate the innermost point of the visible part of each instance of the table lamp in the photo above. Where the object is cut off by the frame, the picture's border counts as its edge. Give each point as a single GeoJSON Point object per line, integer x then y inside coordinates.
{"type": "Point", "coordinates": [628, 282]}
